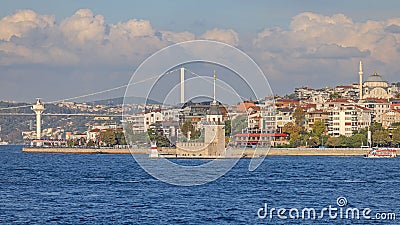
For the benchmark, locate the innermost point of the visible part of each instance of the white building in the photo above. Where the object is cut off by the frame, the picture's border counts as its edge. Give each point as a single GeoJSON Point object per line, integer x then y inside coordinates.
{"type": "Point", "coordinates": [282, 117]}
{"type": "Point", "coordinates": [378, 106]}
{"type": "Point", "coordinates": [345, 119]}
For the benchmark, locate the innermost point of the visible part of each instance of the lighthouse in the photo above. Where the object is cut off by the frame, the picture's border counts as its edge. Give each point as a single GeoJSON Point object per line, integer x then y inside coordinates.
{"type": "Point", "coordinates": [38, 109]}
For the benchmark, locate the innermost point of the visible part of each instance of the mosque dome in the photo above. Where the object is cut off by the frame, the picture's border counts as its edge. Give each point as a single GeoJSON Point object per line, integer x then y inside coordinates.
{"type": "Point", "coordinates": [375, 78]}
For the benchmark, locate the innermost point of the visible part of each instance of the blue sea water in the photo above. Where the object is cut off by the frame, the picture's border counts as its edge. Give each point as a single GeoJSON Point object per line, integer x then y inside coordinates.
{"type": "Point", "coordinates": [113, 189]}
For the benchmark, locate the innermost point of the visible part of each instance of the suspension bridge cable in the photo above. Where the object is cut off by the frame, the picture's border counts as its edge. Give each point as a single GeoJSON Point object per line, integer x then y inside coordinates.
{"type": "Point", "coordinates": [95, 93]}
{"type": "Point", "coordinates": [202, 77]}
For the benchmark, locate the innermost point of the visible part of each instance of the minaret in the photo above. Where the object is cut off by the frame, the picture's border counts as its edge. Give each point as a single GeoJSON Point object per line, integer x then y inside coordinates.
{"type": "Point", "coordinates": [214, 114]}
{"type": "Point", "coordinates": [38, 108]}
{"type": "Point", "coordinates": [215, 79]}
{"type": "Point", "coordinates": [182, 85]}
{"type": "Point", "coordinates": [360, 72]}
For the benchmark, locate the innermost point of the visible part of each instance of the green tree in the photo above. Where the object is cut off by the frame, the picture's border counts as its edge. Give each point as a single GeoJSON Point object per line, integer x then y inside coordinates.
{"type": "Point", "coordinates": [335, 95]}
{"type": "Point", "coordinates": [138, 138]}
{"type": "Point", "coordinates": [333, 142]}
{"type": "Point", "coordinates": [396, 136]}
{"type": "Point", "coordinates": [294, 133]}
{"type": "Point", "coordinates": [300, 116]}
{"type": "Point", "coordinates": [313, 142]}
{"type": "Point", "coordinates": [120, 137]}
{"type": "Point", "coordinates": [228, 128]}
{"type": "Point", "coordinates": [108, 137]}
{"type": "Point", "coordinates": [238, 124]}
{"type": "Point", "coordinates": [397, 124]}
{"type": "Point", "coordinates": [345, 141]}
{"type": "Point", "coordinates": [318, 128]}
{"type": "Point", "coordinates": [156, 135]}
{"type": "Point", "coordinates": [375, 126]}
{"type": "Point", "coordinates": [186, 127]}
{"type": "Point", "coordinates": [380, 137]}
{"type": "Point", "coordinates": [90, 143]}
{"type": "Point", "coordinates": [358, 140]}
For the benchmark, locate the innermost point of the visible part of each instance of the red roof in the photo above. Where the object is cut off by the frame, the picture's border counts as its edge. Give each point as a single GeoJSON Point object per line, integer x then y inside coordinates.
{"type": "Point", "coordinates": [347, 100]}
{"type": "Point", "coordinates": [94, 130]}
{"type": "Point", "coordinates": [261, 135]}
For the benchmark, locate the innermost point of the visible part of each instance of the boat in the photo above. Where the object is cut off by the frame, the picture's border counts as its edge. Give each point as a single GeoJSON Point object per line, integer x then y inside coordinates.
{"type": "Point", "coordinates": [3, 142]}
{"type": "Point", "coordinates": [382, 153]}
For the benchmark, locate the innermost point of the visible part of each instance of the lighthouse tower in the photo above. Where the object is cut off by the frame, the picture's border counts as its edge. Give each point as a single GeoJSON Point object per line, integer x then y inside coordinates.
{"type": "Point", "coordinates": [38, 108]}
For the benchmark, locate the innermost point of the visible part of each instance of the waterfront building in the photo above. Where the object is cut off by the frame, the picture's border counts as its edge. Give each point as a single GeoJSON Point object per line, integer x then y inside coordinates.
{"type": "Point", "coordinates": [390, 117]}
{"type": "Point", "coordinates": [313, 116]}
{"type": "Point", "coordinates": [348, 118]}
{"type": "Point", "coordinates": [378, 106]}
{"type": "Point", "coordinates": [260, 139]}
{"type": "Point", "coordinates": [282, 117]}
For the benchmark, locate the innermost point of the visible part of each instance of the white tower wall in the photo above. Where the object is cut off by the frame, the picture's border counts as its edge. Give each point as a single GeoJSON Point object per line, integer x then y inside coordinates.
{"type": "Point", "coordinates": [38, 108]}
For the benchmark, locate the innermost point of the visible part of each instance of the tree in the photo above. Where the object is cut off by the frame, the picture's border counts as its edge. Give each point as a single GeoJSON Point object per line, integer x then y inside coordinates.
{"type": "Point", "coordinates": [334, 96]}
{"type": "Point", "coordinates": [313, 142]}
{"type": "Point", "coordinates": [300, 116]}
{"type": "Point", "coordinates": [380, 137]}
{"type": "Point", "coordinates": [120, 137]}
{"type": "Point", "coordinates": [345, 141]}
{"type": "Point", "coordinates": [294, 133]}
{"type": "Point", "coordinates": [333, 142]}
{"type": "Point", "coordinates": [396, 136]}
{"type": "Point", "coordinates": [138, 138]}
{"type": "Point", "coordinates": [156, 134]}
{"type": "Point", "coordinates": [228, 128]}
{"type": "Point", "coordinates": [238, 124]}
{"type": "Point", "coordinates": [291, 128]}
{"type": "Point", "coordinates": [358, 140]}
{"type": "Point", "coordinates": [375, 126]}
{"type": "Point", "coordinates": [318, 128]}
{"type": "Point", "coordinates": [186, 127]}
{"type": "Point", "coordinates": [108, 137]}
{"type": "Point", "coordinates": [397, 124]}
{"type": "Point", "coordinates": [90, 143]}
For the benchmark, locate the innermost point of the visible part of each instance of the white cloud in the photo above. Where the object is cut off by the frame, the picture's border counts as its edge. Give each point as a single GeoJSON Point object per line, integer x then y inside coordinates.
{"type": "Point", "coordinates": [83, 38]}
{"type": "Point", "coordinates": [227, 36]}
{"type": "Point", "coordinates": [321, 50]}
{"type": "Point", "coordinates": [22, 22]}
{"type": "Point", "coordinates": [83, 27]}
{"type": "Point", "coordinates": [314, 46]}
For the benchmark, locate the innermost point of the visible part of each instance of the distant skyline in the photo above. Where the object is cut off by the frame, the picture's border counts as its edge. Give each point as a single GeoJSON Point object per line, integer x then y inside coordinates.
{"type": "Point", "coordinates": [71, 48]}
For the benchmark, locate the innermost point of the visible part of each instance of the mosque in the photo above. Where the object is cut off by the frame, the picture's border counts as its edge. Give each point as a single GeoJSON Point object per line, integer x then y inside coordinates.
{"type": "Point", "coordinates": [374, 86]}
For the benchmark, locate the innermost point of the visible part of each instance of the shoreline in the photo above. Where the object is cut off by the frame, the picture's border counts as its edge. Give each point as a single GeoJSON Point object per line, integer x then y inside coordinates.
{"type": "Point", "coordinates": [233, 153]}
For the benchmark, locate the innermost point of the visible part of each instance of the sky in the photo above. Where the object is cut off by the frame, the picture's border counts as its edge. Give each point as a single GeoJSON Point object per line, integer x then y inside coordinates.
{"type": "Point", "coordinates": [59, 49]}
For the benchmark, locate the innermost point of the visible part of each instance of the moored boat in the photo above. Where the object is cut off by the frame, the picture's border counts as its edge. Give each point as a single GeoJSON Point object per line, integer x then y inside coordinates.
{"type": "Point", "coordinates": [382, 153]}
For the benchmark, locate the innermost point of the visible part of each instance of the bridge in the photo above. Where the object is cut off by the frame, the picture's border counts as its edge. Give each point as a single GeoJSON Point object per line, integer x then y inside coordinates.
{"type": "Point", "coordinates": [62, 114]}
{"type": "Point", "coordinates": [38, 108]}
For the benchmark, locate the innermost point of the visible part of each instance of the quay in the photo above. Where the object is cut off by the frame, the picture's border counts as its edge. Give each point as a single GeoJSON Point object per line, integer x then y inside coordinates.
{"type": "Point", "coordinates": [233, 153]}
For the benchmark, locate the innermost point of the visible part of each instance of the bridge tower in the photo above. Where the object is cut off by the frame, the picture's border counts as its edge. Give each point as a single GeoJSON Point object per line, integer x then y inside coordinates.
{"type": "Point", "coordinates": [38, 108]}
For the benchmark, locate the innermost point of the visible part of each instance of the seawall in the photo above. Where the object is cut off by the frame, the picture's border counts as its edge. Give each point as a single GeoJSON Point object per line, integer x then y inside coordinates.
{"type": "Point", "coordinates": [234, 153]}
{"type": "Point", "coordinates": [85, 150]}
